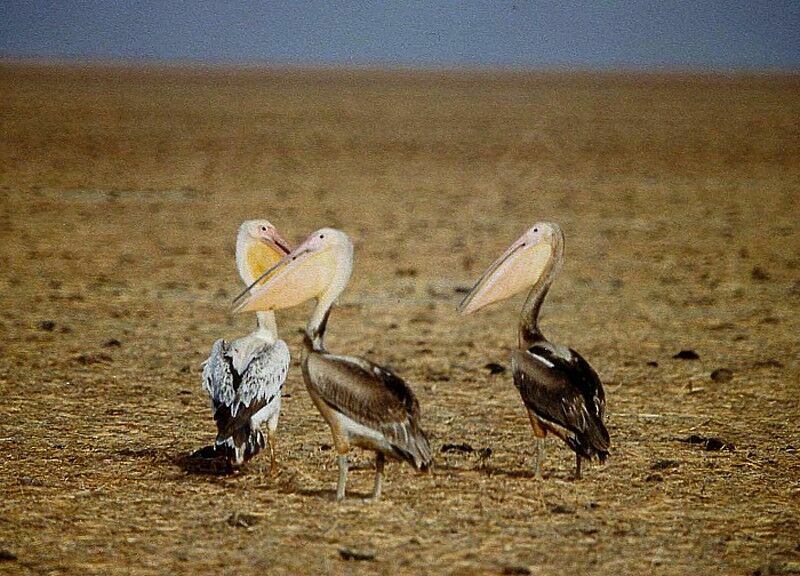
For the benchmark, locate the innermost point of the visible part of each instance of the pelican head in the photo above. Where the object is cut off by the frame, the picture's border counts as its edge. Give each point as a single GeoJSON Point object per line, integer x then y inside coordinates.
{"type": "Point", "coordinates": [533, 256]}
{"type": "Point", "coordinates": [259, 246]}
{"type": "Point", "coordinates": [319, 268]}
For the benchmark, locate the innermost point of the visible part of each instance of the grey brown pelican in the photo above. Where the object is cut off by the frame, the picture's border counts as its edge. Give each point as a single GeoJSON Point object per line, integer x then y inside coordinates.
{"type": "Point", "coordinates": [364, 404]}
{"type": "Point", "coordinates": [561, 391]}
{"type": "Point", "coordinates": [244, 378]}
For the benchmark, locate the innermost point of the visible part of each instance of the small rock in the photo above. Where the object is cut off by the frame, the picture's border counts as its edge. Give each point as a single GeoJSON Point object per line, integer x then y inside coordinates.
{"type": "Point", "coordinates": [358, 556]}
{"type": "Point", "coordinates": [515, 571]}
{"type": "Point", "coordinates": [686, 355]}
{"type": "Point", "coordinates": [722, 375]}
{"type": "Point", "coordinates": [485, 453]}
{"type": "Point", "coordinates": [759, 274]}
{"type": "Point", "coordinates": [495, 368]}
{"type": "Point", "coordinates": [112, 343]}
{"type": "Point", "coordinates": [562, 509]}
{"type": "Point", "coordinates": [654, 477]}
{"type": "Point", "coordinates": [652, 363]}
{"type": "Point", "coordinates": [462, 289]}
{"type": "Point", "coordinates": [711, 444]}
{"type": "Point", "coordinates": [243, 520]}
{"type": "Point", "coordinates": [325, 447]}
{"type": "Point", "coordinates": [7, 556]}
{"type": "Point", "coordinates": [89, 359]}
{"type": "Point", "coordinates": [665, 465]}
{"type": "Point", "coordinates": [461, 447]}
{"type": "Point", "coordinates": [46, 325]}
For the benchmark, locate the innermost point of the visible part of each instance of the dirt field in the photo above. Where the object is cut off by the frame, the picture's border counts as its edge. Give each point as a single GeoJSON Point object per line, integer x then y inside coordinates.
{"type": "Point", "coordinates": [120, 194]}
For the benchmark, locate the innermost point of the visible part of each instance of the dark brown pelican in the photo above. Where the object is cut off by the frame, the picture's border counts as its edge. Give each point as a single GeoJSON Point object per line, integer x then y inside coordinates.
{"type": "Point", "coordinates": [244, 378]}
{"type": "Point", "coordinates": [561, 391]}
{"type": "Point", "coordinates": [364, 404]}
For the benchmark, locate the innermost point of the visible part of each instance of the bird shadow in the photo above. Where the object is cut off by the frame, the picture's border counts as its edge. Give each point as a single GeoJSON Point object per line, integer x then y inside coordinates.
{"type": "Point", "coordinates": [326, 494]}
{"type": "Point", "coordinates": [489, 470]}
{"type": "Point", "coordinates": [513, 473]}
{"type": "Point", "coordinates": [206, 461]}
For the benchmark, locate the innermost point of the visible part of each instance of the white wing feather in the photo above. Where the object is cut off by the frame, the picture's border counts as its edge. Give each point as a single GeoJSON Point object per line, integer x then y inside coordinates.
{"type": "Point", "coordinates": [262, 379]}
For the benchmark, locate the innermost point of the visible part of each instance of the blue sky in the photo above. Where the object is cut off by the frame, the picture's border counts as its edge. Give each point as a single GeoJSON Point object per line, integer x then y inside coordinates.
{"type": "Point", "coordinates": [698, 34]}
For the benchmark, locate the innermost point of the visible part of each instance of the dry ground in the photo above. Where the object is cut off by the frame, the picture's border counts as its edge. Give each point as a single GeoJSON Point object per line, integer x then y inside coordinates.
{"type": "Point", "coordinates": [120, 194]}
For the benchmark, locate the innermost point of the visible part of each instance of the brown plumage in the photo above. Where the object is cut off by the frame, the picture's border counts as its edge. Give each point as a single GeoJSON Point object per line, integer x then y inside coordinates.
{"type": "Point", "coordinates": [371, 396]}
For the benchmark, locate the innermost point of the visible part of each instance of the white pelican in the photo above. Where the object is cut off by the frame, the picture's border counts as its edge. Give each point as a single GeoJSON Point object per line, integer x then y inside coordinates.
{"type": "Point", "coordinates": [561, 391]}
{"type": "Point", "coordinates": [364, 404]}
{"type": "Point", "coordinates": [244, 378]}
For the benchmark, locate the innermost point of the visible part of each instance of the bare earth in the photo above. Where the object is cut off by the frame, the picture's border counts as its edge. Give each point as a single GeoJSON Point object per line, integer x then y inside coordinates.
{"type": "Point", "coordinates": [120, 194]}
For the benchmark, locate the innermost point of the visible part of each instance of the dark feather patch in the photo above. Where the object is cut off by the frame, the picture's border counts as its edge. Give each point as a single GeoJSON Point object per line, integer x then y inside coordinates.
{"type": "Point", "coordinates": [566, 392]}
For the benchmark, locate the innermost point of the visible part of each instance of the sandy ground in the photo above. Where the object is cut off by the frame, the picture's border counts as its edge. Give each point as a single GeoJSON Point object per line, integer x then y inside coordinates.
{"type": "Point", "coordinates": [120, 194]}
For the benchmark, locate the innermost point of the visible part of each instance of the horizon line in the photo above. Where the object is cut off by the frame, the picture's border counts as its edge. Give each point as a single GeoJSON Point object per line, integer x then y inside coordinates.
{"type": "Point", "coordinates": [197, 64]}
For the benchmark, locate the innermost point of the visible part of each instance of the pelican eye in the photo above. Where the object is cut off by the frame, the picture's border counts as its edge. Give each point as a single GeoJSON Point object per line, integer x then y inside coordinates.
{"type": "Point", "coordinates": [321, 236]}
{"type": "Point", "coordinates": [263, 228]}
{"type": "Point", "coordinates": [535, 229]}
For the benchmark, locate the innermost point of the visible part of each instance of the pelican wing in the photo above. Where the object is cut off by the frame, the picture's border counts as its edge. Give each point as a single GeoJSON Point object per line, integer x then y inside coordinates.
{"type": "Point", "coordinates": [374, 397]}
{"type": "Point", "coordinates": [562, 389]}
{"type": "Point", "coordinates": [236, 398]}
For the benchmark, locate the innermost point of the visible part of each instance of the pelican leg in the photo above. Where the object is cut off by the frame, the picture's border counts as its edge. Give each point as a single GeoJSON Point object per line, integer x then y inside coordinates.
{"type": "Point", "coordinates": [577, 467]}
{"type": "Point", "coordinates": [342, 477]}
{"type": "Point", "coordinates": [273, 461]}
{"type": "Point", "coordinates": [539, 433]}
{"type": "Point", "coordinates": [539, 457]}
{"type": "Point", "coordinates": [380, 459]}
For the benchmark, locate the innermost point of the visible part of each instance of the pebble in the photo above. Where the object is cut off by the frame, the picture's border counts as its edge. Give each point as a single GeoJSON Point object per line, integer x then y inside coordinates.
{"type": "Point", "coordinates": [686, 355]}
{"type": "Point", "coordinates": [722, 375]}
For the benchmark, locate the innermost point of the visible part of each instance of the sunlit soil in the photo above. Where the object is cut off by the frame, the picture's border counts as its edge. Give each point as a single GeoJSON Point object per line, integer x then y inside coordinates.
{"type": "Point", "coordinates": [120, 194]}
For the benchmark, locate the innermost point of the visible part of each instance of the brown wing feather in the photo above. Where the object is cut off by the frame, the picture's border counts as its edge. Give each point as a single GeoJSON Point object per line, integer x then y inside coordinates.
{"type": "Point", "coordinates": [372, 396]}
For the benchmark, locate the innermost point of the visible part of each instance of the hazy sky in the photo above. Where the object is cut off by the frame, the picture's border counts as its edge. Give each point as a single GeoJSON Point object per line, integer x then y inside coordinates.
{"type": "Point", "coordinates": [719, 34]}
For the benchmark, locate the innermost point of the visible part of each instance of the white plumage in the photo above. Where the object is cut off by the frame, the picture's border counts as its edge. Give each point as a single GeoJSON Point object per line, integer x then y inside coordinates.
{"type": "Point", "coordinates": [243, 380]}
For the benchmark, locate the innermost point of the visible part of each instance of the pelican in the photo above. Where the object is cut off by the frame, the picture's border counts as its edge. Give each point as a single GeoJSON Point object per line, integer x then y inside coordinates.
{"type": "Point", "coordinates": [244, 378]}
{"type": "Point", "coordinates": [560, 390]}
{"type": "Point", "coordinates": [364, 404]}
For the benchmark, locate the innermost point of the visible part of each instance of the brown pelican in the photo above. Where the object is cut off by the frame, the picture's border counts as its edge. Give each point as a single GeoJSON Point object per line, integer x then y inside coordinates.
{"type": "Point", "coordinates": [364, 404]}
{"type": "Point", "coordinates": [244, 378]}
{"type": "Point", "coordinates": [561, 391]}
